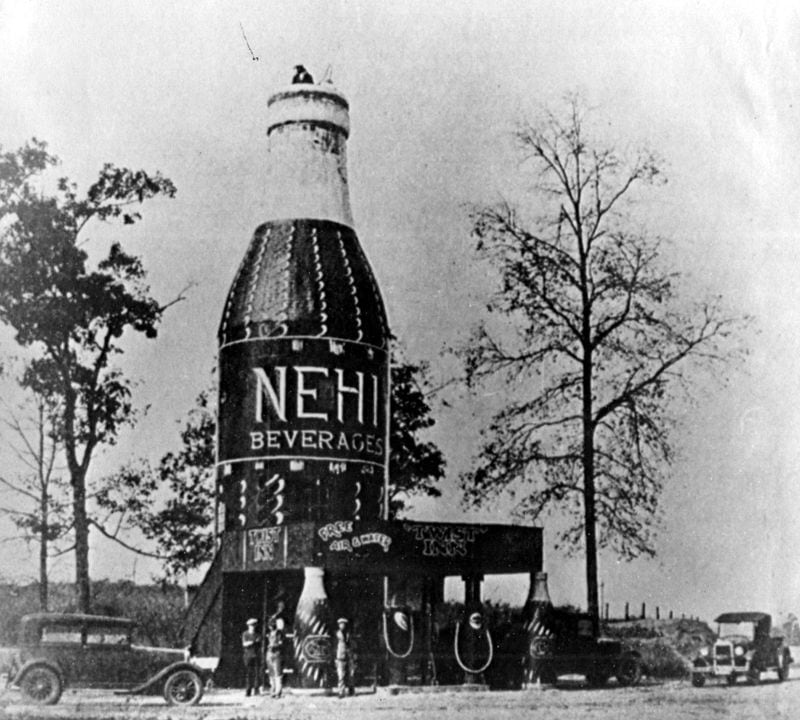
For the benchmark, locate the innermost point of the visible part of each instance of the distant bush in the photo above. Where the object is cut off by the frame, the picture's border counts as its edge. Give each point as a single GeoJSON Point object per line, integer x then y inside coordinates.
{"type": "Point", "coordinates": [666, 646]}
{"type": "Point", "coordinates": [660, 659]}
{"type": "Point", "coordinates": [157, 609]}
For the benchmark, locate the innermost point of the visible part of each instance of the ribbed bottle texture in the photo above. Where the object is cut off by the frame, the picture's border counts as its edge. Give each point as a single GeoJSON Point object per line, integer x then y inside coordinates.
{"type": "Point", "coordinates": [313, 644]}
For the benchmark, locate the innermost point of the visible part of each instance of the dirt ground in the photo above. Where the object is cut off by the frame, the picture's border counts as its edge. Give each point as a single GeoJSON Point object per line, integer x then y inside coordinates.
{"type": "Point", "coordinates": [650, 701]}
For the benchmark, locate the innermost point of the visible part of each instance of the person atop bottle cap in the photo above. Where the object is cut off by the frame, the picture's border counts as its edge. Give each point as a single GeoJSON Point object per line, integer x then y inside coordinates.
{"type": "Point", "coordinates": [302, 76]}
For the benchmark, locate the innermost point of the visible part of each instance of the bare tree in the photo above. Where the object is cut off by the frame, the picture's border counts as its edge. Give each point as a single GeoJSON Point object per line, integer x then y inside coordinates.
{"type": "Point", "coordinates": [36, 498]}
{"type": "Point", "coordinates": [593, 339]}
{"type": "Point", "coordinates": [72, 313]}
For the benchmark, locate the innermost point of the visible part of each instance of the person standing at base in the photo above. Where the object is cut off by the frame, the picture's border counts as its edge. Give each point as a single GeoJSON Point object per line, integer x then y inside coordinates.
{"type": "Point", "coordinates": [251, 645]}
{"type": "Point", "coordinates": [344, 657]}
{"type": "Point", "coordinates": [274, 658]}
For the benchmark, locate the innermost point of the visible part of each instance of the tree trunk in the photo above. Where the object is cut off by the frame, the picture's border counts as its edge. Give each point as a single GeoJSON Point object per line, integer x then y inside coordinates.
{"type": "Point", "coordinates": [43, 588]}
{"type": "Point", "coordinates": [77, 476]}
{"type": "Point", "coordinates": [81, 543]}
{"type": "Point", "coordinates": [589, 510]}
{"type": "Point", "coordinates": [590, 521]}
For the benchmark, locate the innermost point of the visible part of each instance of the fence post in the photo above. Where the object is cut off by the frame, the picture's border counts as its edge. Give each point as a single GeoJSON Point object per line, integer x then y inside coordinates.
{"type": "Point", "coordinates": [644, 611]}
{"type": "Point", "coordinates": [627, 613]}
{"type": "Point", "coordinates": [658, 613]}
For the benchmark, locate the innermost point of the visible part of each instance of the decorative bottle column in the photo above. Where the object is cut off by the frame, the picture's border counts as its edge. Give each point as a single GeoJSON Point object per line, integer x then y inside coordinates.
{"type": "Point", "coordinates": [540, 637]}
{"type": "Point", "coordinates": [313, 642]}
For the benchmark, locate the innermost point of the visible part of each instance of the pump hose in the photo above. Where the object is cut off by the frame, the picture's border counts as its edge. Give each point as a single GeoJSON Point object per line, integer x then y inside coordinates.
{"type": "Point", "coordinates": [399, 656]}
{"type": "Point", "coordinates": [461, 664]}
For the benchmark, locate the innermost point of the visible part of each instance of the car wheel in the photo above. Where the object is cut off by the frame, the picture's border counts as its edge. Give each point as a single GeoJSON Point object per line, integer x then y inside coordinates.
{"type": "Point", "coordinates": [597, 678]}
{"type": "Point", "coordinates": [783, 669]}
{"type": "Point", "coordinates": [731, 679]}
{"type": "Point", "coordinates": [698, 680]}
{"type": "Point", "coordinates": [753, 676]}
{"type": "Point", "coordinates": [629, 671]}
{"type": "Point", "coordinates": [547, 676]}
{"type": "Point", "coordinates": [183, 687]}
{"type": "Point", "coordinates": [41, 685]}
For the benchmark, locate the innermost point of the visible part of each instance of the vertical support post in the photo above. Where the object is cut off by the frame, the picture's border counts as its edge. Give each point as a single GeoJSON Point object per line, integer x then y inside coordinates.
{"type": "Point", "coordinates": [472, 589]}
{"type": "Point", "coordinates": [264, 618]}
{"type": "Point", "coordinates": [429, 665]}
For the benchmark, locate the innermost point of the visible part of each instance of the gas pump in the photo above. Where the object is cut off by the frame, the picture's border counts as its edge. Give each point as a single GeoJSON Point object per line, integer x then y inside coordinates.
{"type": "Point", "coordinates": [473, 647]}
{"type": "Point", "coordinates": [398, 631]}
{"type": "Point", "coordinates": [397, 625]}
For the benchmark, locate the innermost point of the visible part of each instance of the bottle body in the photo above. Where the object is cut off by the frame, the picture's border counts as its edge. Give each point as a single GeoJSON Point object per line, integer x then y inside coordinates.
{"type": "Point", "coordinates": [313, 643]}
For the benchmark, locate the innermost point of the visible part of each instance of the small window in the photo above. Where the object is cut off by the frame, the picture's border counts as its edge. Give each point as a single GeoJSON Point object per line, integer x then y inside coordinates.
{"type": "Point", "coordinates": [106, 636]}
{"type": "Point", "coordinates": [61, 634]}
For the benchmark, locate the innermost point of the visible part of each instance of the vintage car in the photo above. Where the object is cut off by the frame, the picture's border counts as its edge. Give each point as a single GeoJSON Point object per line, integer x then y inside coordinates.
{"type": "Point", "coordinates": [93, 651]}
{"type": "Point", "coordinates": [572, 648]}
{"type": "Point", "coordinates": [744, 648]}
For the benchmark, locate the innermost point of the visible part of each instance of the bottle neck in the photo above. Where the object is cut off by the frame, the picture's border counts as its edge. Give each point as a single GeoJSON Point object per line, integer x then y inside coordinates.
{"type": "Point", "coordinates": [538, 592]}
{"type": "Point", "coordinates": [314, 586]}
{"type": "Point", "coordinates": [307, 173]}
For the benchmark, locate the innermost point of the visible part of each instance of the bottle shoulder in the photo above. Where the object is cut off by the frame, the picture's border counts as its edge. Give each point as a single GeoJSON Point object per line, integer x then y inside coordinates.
{"type": "Point", "coordinates": [305, 278]}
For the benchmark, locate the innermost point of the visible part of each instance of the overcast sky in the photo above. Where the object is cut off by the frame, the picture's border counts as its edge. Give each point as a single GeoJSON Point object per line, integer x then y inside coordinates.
{"type": "Point", "coordinates": [435, 93]}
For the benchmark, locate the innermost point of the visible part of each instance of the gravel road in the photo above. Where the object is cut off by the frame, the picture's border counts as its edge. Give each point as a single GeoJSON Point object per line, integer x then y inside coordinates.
{"type": "Point", "coordinates": [650, 701]}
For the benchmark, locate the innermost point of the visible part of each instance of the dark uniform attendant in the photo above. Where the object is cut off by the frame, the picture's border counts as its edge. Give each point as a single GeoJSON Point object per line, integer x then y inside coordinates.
{"type": "Point", "coordinates": [251, 646]}
{"type": "Point", "coordinates": [275, 658]}
{"type": "Point", "coordinates": [344, 657]}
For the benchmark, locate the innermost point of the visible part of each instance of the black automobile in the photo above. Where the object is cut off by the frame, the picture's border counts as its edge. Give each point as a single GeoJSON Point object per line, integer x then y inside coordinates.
{"type": "Point", "coordinates": [745, 648]}
{"type": "Point", "coordinates": [93, 651]}
{"type": "Point", "coordinates": [571, 646]}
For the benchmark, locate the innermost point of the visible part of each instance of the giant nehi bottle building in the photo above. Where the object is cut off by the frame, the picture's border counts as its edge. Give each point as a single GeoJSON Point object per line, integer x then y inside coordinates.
{"type": "Point", "coordinates": [303, 441]}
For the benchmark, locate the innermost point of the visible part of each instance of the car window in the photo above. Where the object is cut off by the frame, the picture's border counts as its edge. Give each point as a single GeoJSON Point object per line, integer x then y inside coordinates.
{"type": "Point", "coordinates": [61, 634]}
{"type": "Point", "coordinates": [106, 636]}
{"type": "Point", "coordinates": [742, 629]}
